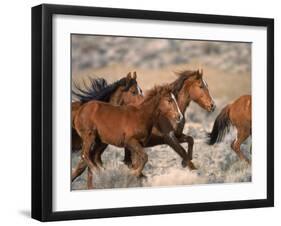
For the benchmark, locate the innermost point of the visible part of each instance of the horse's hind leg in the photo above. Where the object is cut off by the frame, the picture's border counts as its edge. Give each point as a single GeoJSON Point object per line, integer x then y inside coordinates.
{"type": "Point", "coordinates": [242, 135]}
{"type": "Point", "coordinates": [90, 173]}
{"type": "Point", "coordinates": [79, 169]}
{"type": "Point", "coordinates": [88, 142]}
{"type": "Point", "coordinates": [90, 179]}
{"type": "Point", "coordinates": [95, 158]}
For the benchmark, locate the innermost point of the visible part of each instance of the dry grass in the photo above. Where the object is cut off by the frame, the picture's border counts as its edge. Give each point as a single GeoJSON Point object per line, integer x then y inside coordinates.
{"type": "Point", "coordinates": [216, 164]}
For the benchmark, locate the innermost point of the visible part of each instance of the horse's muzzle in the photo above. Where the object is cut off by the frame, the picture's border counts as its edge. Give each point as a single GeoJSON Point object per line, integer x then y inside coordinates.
{"type": "Point", "coordinates": [180, 120]}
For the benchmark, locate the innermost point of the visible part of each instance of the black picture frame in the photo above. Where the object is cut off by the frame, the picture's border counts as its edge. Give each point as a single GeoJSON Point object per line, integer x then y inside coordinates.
{"type": "Point", "coordinates": [42, 107]}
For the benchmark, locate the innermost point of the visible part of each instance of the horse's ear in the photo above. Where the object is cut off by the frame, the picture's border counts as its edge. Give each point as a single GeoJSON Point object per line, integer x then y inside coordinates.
{"type": "Point", "coordinates": [135, 75]}
{"type": "Point", "coordinates": [199, 74]}
{"type": "Point", "coordinates": [129, 76]}
{"type": "Point", "coordinates": [127, 81]}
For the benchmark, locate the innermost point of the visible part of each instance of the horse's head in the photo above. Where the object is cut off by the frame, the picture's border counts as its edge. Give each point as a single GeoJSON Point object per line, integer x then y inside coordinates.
{"type": "Point", "coordinates": [131, 93]}
{"type": "Point", "coordinates": [168, 106]}
{"type": "Point", "coordinates": [198, 90]}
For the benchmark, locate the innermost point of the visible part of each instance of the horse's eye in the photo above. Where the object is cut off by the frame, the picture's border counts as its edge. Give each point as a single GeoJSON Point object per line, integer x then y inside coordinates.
{"type": "Point", "coordinates": [134, 93]}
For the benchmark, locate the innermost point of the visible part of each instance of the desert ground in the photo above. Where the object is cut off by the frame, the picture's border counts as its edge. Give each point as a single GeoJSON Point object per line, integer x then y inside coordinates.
{"type": "Point", "coordinates": [227, 70]}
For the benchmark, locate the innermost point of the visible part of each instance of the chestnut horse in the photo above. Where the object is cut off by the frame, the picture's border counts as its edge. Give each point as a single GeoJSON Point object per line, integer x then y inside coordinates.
{"type": "Point", "coordinates": [122, 92]}
{"type": "Point", "coordinates": [239, 115]}
{"type": "Point", "coordinates": [100, 124]}
{"type": "Point", "coordinates": [189, 86]}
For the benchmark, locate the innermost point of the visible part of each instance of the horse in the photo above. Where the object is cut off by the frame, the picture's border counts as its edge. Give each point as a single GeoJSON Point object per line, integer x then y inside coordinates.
{"type": "Point", "coordinates": [121, 92]}
{"type": "Point", "coordinates": [100, 124]}
{"type": "Point", "coordinates": [189, 86]}
{"type": "Point", "coordinates": [239, 115]}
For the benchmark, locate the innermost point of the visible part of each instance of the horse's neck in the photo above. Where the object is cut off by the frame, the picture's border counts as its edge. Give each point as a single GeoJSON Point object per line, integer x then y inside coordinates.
{"type": "Point", "coordinates": [183, 100]}
{"type": "Point", "coordinates": [149, 108]}
{"type": "Point", "coordinates": [116, 97]}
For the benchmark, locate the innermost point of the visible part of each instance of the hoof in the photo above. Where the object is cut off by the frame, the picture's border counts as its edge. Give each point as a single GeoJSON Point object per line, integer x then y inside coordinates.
{"type": "Point", "coordinates": [128, 164]}
{"type": "Point", "coordinates": [183, 163]}
{"type": "Point", "coordinates": [248, 161]}
{"type": "Point", "coordinates": [100, 166]}
{"type": "Point", "coordinates": [189, 164]}
{"type": "Point", "coordinates": [137, 174]}
{"type": "Point", "coordinates": [94, 169]}
{"type": "Point", "coordinates": [90, 187]}
{"type": "Point", "coordinates": [142, 176]}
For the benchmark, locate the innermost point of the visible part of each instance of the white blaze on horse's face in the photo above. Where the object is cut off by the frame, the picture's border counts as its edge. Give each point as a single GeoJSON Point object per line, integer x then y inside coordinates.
{"type": "Point", "coordinates": [206, 85]}
{"type": "Point", "coordinates": [139, 90]}
{"type": "Point", "coordinates": [181, 116]}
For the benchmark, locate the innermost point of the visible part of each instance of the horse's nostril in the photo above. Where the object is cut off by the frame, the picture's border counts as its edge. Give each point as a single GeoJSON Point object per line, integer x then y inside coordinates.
{"type": "Point", "coordinates": [180, 118]}
{"type": "Point", "coordinates": [213, 106]}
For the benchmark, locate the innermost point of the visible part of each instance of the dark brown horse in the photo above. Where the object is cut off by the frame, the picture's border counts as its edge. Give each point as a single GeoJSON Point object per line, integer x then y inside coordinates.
{"type": "Point", "coordinates": [122, 92]}
{"type": "Point", "coordinates": [239, 115]}
{"type": "Point", "coordinates": [189, 86]}
{"type": "Point", "coordinates": [100, 124]}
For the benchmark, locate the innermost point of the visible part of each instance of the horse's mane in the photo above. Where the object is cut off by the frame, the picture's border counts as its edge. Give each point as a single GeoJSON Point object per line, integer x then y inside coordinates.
{"type": "Point", "coordinates": [157, 91]}
{"type": "Point", "coordinates": [174, 88]}
{"type": "Point", "coordinates": [182, 76]}
{"type": "Point", "coordinates": [99, 89]}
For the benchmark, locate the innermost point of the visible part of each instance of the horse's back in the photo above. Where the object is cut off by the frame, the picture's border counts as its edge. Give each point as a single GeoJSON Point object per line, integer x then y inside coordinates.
{"type": "Point", "coordinates": [241, 111]}
{"type": "Point", "coordinates": [112, 122]}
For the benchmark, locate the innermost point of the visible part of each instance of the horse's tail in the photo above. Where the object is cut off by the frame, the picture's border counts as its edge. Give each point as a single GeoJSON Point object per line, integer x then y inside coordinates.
{"type": "Point", "coordinates": [220, 127]}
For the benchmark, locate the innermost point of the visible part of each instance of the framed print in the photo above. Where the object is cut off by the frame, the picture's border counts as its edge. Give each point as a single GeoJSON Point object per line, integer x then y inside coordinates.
{"type": "Point", "coordinates": [145, 112]}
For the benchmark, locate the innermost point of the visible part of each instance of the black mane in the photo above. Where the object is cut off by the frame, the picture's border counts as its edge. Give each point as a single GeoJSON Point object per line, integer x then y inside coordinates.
{"type": "Point", "coordinates": [99, 89]}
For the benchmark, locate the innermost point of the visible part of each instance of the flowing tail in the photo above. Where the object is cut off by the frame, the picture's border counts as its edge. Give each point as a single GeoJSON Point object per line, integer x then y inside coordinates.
{"type": "Point", "coordinates": [220, 127]}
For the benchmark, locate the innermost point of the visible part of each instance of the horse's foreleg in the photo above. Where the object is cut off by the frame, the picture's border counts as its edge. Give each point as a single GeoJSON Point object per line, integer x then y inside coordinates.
{"type": "Point", "coordinates": [173, 142]}
{"type": "Point", "coordinates": [242, 135]}
{"type": "Point", "coordinates": [139, 157]}
{"type": "Point", "coordinates": [128, 158]}
{"type": "Point", "coordinates": [184, 138]}
{"type": "Point", "coordinates": [153, 141]}
{"type": "Point", "coordinates": [97, 154]}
